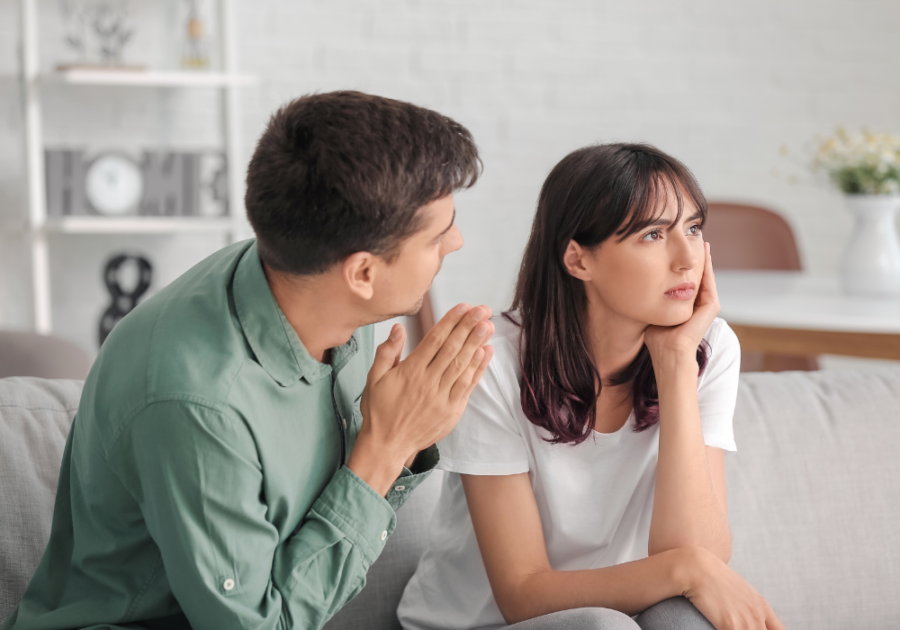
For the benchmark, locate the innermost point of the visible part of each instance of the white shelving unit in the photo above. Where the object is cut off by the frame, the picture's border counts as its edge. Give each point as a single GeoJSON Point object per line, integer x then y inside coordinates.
{"type": "Point", "coordinates": [137, 225]}
{"type": "Point", "coordinates": [148, 78]}
{"type": "Point", "coordinates": [39, 226]}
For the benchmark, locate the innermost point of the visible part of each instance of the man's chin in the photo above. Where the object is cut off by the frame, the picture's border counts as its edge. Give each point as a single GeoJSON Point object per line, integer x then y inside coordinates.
{"type": "Point", "coordinates": [412, 312]}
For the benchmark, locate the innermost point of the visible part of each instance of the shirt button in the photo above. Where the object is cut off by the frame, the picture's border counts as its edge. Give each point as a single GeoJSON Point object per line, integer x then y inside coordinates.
{"type": "Point", "coordinates": [399, 488]}
{"type": "Point", "coordinates": [228, 584]}
{"type": "Point", "coordinates": [383, 535]}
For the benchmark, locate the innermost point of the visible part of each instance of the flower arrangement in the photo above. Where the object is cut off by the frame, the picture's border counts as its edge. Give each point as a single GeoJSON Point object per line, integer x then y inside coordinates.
{"type": "Point", "coordinates": [861, 163]}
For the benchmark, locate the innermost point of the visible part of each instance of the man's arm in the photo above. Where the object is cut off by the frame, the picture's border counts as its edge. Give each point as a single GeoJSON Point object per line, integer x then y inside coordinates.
{"type": "Point", "coordinates": [195, 471]}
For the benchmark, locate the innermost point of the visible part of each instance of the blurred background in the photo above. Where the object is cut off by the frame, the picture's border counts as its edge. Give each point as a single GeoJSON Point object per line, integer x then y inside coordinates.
{"type": "Point", "coordinates": [739, 91]}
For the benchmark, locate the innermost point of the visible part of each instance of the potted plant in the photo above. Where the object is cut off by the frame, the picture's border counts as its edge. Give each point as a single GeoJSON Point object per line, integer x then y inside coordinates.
{"type": "Point", "coordinates": [866, 168]}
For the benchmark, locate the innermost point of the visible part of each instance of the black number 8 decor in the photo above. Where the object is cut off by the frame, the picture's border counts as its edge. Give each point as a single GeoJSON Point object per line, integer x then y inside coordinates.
{"type": "Point", "coordinates": [123, 302]}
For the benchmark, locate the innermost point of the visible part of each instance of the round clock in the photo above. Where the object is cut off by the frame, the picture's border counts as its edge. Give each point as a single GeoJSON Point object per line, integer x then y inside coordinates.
{"type": "Point", "coordinates": [114, 184]}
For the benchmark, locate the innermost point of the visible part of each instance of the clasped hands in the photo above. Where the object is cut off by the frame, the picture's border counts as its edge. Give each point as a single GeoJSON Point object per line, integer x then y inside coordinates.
{"type": "Point", "coordinates": [409, 405]}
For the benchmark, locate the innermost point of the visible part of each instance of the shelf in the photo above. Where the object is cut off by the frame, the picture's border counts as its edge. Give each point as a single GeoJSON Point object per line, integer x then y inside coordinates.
{"type": "Point", "coordinates": [149, 78]}
{"type": "Point", "coordinates": [137, 225]}
{"type": "Point", "coordinates": [30, 80]}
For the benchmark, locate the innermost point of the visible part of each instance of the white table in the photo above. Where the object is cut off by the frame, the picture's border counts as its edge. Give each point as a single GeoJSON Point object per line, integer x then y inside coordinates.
{"type": "Point", "coordinates": [794, 312]}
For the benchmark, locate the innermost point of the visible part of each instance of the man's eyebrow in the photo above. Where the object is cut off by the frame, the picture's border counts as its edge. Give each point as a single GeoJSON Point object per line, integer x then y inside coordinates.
{"type": "Point", "coordinates": [447, 229]}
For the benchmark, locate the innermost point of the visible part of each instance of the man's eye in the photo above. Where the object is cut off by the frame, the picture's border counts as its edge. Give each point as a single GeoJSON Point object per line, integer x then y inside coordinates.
{"type": "Point", "coordinates": [655, 235]}
{"type": "Point", "coordinates": [695, 230]}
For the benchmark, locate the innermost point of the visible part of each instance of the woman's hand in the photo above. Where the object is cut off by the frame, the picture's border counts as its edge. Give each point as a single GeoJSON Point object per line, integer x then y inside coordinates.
{"type": "Point", "coordinates": [682, 341]}
{"type": "Point", "coordinates": [725, 598]}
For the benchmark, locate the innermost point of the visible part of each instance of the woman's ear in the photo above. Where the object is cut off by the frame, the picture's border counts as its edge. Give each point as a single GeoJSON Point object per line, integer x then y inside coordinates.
{"type": "Point", "coordinates": [358, 272]}
{"type": "Point", "coordinates": [573, 259]}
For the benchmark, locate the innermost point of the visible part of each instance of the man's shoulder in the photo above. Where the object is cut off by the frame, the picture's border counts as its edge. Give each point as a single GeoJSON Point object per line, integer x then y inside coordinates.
{"type": "Point", "coordinates": [185, 340]}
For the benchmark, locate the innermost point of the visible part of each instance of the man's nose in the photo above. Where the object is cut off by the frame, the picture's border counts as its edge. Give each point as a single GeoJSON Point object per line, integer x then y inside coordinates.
{"type": "Point", "coordinates": [453, 240]}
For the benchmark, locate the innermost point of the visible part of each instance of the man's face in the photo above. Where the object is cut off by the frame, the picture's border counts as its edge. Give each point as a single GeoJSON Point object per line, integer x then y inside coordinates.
{"type": "Point", "coordinates": [400, 286]}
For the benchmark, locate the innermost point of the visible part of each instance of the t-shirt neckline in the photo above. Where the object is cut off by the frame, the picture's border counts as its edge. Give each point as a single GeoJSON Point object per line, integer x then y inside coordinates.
{"type": "Point", "coordinates": [609, 440]}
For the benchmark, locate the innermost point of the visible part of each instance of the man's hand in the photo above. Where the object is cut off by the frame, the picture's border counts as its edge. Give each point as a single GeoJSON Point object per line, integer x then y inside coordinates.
{"type": "Point", "coordinates": [411, 404]}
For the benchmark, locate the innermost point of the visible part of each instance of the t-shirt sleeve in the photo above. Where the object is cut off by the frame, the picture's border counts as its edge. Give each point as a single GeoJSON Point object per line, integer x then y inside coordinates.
{"type": "Point", "coordinates": [487, 439]}
{"type": "Point", "coordinates": [717, 392]}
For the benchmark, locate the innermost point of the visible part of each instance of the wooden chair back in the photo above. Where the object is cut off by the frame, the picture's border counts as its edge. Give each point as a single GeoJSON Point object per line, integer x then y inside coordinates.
{"type": "Point", "coordinates": [750, 237]}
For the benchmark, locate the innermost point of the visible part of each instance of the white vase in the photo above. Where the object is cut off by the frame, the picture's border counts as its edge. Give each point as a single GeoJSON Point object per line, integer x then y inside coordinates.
{"type": "Point", "coordinates": [871, 263]}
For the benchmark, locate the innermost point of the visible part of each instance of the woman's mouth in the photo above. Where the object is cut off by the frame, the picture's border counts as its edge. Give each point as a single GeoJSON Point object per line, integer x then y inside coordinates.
{"type": "Point", "coordinates": [683, 291]}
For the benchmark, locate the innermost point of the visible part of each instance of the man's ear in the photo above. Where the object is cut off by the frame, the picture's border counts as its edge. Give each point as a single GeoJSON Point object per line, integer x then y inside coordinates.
{"type": "Point", "coordinates": [573, 259]}
{"type": "Point", "coordinates": [358, 272]}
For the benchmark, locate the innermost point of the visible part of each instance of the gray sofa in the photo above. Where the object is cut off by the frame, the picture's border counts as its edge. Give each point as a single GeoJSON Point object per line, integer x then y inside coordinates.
{"type": "Point", "coordinates": [814, 496]}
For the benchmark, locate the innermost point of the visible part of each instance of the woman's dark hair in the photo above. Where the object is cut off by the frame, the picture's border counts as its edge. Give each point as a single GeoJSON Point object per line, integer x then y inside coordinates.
{"type": "Point", "coordinates": [343, 172]}
{"type": "Point", "coordinates": [594, 193]}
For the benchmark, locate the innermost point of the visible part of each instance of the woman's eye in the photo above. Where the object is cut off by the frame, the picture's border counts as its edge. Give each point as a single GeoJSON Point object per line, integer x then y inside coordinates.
{"type": "Point", "coordinates": [655, 235]}
{"type": "Point", "coordinates": [695, 230]}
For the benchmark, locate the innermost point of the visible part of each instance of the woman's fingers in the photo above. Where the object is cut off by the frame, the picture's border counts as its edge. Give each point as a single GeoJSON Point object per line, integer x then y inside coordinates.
{"type": "Point", "coordinates": [707, 305]}
{"type": "Point", "coordinates": [772, 622]}
{"type": "Point", "coordinates": [708, 292]}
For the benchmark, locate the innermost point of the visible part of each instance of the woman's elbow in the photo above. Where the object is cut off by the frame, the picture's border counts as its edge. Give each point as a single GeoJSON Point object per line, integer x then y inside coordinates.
{"type": "Point", "coordinates": [514, 608]}
{"type": "Point", "coordinates": [517, 602]}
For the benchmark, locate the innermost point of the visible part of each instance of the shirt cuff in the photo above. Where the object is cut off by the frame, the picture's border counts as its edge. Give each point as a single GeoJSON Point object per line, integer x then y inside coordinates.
{"type": "Point", "coordinates": [364, 516]}
{"type": "Point", "coordinates": [425, 462]}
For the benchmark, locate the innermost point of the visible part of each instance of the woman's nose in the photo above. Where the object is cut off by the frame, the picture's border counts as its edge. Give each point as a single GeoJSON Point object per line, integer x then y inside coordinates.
{"type": "Point", "coordinates": [687, 252]}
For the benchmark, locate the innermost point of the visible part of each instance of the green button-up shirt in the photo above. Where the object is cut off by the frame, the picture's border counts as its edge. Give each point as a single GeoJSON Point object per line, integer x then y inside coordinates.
{"type": "Point", "coordinates": [203, 482]}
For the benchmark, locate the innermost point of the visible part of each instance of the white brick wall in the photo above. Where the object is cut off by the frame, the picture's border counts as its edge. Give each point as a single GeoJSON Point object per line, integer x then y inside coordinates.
{"type": "Point", "coordinates": [722, 85]}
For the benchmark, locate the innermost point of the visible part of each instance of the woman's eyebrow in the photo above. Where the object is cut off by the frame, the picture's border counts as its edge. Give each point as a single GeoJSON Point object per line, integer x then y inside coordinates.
{"type": "Point", "coordinates": [662, 221]}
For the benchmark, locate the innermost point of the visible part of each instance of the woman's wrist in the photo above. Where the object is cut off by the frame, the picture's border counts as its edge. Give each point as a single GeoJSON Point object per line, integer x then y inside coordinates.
{"type": "Point", "coordinates": [691, 566]}
{"type": "Point", "coordinates": [677, 366]}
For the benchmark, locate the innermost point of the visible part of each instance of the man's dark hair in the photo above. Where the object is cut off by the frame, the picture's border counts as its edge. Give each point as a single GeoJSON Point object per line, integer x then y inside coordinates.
{"type": "Point", "coordinates": [344, 172]}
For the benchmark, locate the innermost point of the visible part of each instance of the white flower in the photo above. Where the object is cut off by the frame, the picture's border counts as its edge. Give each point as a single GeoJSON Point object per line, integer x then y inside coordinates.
{"type": "Point", "coordinates": [861, 161]}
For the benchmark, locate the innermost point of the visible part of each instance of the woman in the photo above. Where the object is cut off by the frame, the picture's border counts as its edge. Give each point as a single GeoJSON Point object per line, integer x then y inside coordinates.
{"type": "Point", "coordinates": [588, 475]}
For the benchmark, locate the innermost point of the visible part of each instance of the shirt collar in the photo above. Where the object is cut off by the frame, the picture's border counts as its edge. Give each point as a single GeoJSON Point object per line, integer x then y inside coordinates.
{"type": "Point", "coordinates": [274, 341]}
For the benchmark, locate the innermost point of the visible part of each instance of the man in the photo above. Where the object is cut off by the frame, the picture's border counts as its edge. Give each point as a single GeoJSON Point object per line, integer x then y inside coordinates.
{"type": "Point", "coordinates": [235, 462]}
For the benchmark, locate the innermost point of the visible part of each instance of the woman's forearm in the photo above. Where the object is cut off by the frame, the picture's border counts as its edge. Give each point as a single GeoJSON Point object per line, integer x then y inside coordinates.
{"type": "Point", "coordinates": [629, 588]}
{"type": "Point", "coordinates": [686, 511]}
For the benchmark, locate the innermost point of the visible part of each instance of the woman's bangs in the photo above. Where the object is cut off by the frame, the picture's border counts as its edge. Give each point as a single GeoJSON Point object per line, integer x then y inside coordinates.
{"type": "Point", "coordinates": [649, 203]}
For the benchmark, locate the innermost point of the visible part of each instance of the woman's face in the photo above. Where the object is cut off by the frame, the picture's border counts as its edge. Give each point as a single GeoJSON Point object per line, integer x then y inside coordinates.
{"type": "Point", "coordinates": [653, 276]}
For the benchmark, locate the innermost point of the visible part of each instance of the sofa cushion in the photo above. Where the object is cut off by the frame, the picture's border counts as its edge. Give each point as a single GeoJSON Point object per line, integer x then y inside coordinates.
{"type": "Point", "coordinates": [814, 495]}
{"type": "Point", "coordinates": [35, 415]}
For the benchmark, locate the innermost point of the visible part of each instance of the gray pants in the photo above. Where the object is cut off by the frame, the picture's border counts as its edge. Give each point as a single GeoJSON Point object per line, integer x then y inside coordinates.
{"type": "Point", "coordinates": [670, 614]}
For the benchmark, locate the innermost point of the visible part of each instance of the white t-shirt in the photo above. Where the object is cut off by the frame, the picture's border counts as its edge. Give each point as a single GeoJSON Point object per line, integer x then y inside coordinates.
{"type": "Point", "coordinates": [595, 498]}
